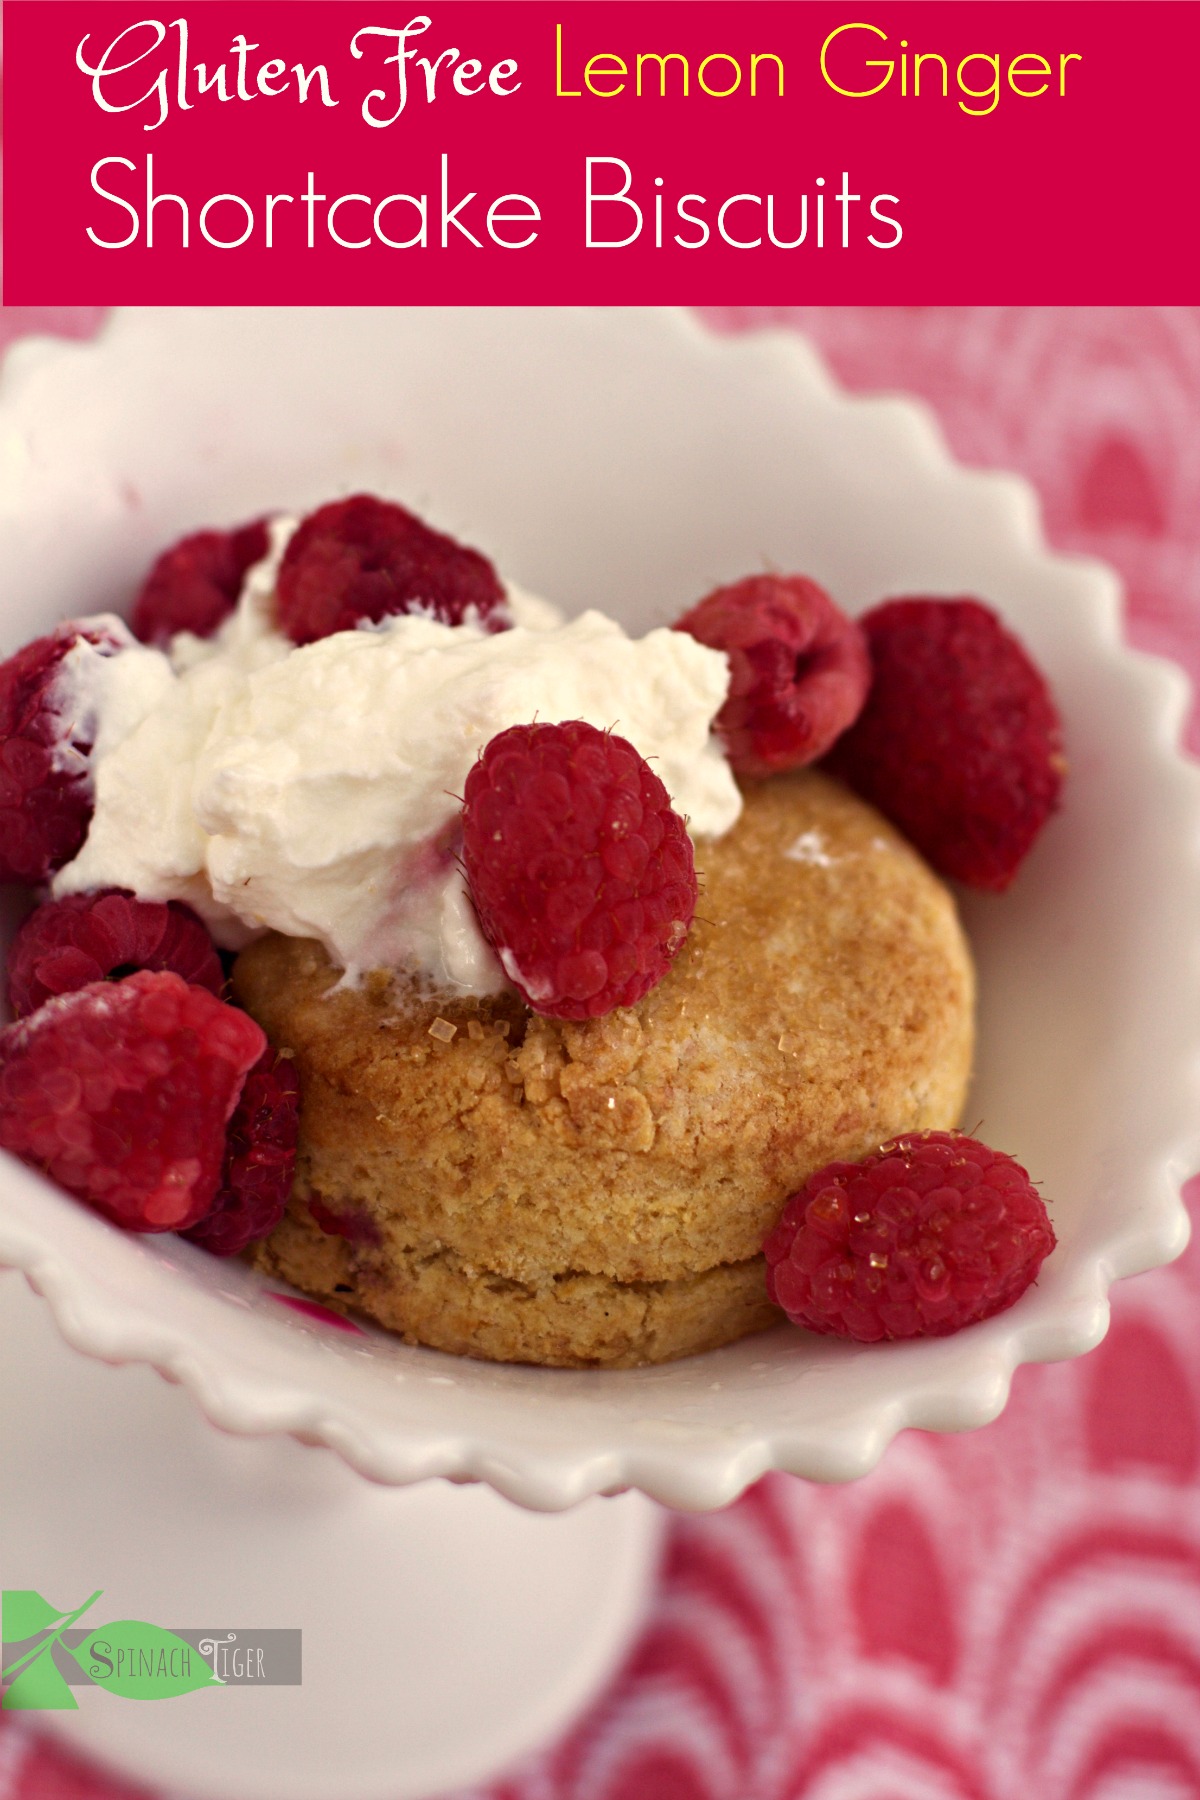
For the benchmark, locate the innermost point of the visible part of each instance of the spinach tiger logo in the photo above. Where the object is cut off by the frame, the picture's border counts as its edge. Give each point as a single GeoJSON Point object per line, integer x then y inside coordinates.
{"type": "Point", "coordinates": [128, 1657]}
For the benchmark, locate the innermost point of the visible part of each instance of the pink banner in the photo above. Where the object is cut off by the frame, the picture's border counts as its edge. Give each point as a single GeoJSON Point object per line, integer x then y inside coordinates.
{"type": "Point", "coordinates": [758, 153]}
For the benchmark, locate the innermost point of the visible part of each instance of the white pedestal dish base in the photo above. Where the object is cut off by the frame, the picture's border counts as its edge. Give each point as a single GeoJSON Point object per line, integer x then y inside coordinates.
{"type": "Point", "coordinates": [446, 1631]}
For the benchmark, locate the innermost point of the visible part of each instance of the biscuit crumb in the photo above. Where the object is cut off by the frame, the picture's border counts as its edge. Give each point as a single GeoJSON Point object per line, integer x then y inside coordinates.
{"type": "Point", "coordinates": [443, 1031]}
{"type": "Point", "coordinates": [810, 847]}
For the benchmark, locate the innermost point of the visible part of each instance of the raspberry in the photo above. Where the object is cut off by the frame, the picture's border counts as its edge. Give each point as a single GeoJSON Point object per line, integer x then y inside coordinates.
{"type": "Point", "coordinates": [354, 1223]}
{"type": "Point", "coordinates": [960, 742]}
{"type": "Point", "coordinates": [121, 1092]}
{"type": "Point", "coordinates": [195, 584]}
{"type": "Point", "coordinates": [260, 1157]}
{"type": "Point", "coordinates": [71, 943]}
{"type": "Point", "coordinates": [927, 1234]}
{"type": "Point", "coordinates": [46, 737]}
{"type": "Point", "coordinates": [798, 670]}
{"type": "Point", "coordinates": [365, 559]}
{"type": "Point", "coordinates": [580, 871]}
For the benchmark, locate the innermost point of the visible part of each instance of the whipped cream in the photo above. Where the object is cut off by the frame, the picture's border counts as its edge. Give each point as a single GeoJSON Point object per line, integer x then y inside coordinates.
{"type": "Point", "coordinates": [315, 790]}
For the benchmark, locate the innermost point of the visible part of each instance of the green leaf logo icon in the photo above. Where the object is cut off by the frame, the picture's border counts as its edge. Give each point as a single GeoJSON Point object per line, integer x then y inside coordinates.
{"type": "Point", "coordinates": [24, 1614]}
{"type": "Point", "coordinates": [32, 1682]}
{"type": "Point", "coordinates": [143, 1662]}
{"type": "Point", "coordinates": [40, 1688]}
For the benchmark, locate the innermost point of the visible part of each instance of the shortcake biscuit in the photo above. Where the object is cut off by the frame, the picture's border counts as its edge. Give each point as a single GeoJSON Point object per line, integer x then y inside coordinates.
{"type": "Point", "coordinates": [494, 1183]}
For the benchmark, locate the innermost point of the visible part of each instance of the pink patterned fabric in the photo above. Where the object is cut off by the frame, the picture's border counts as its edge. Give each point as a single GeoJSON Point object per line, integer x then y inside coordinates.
{"type": "Point", "coordinates": [1013, 1615]}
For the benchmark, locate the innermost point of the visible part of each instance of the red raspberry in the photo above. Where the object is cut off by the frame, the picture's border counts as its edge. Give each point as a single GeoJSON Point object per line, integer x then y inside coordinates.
{"type": "Point", "coordinates": [365, 559]}
{"type": "Point", "coordinates": [46, 738]}
{"type": "Point", "coordinates": [581, 873]}
{"type": "Point", "coordinates": [798, 670]}
{"type": "Point", "coordinates": [70, 943]}
{"type": "Point", "coordinates": [121, 1092]}
{"type": "Point", "coordinates": [195, 585]}
{"type": "Point", "coordinates": [349, 1221]}
{"type": "Point", "coordinates": [927, 1234]}
{"type": "Point", "coordinates": [260, 1157]}
{"type": "Point", "coordinates": [960, 742]}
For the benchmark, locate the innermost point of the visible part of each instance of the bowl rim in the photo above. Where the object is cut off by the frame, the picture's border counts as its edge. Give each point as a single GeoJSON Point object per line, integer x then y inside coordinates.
{"type": "Point", "coordinates": [711, 1470]}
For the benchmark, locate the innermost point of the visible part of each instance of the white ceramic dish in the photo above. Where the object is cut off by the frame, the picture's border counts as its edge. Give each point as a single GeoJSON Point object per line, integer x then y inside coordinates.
{"type": "Point", "coordinates": [630, 460]}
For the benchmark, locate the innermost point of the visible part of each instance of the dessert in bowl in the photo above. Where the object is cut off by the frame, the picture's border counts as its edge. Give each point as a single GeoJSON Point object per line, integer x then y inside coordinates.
{"type": "Point", "coordinates": [586, 1177]}
{"type": "Point", "coordinates": [821, 1408]}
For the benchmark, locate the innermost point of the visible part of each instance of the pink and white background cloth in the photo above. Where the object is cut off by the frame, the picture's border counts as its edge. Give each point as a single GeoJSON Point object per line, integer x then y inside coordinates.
{"type": "Point", "coordinates": [1013, 1615]}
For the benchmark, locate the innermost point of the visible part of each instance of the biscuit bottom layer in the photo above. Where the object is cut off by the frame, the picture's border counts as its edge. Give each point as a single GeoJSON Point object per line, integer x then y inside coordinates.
{"type": "Point", "coordinates": [571, 1321]}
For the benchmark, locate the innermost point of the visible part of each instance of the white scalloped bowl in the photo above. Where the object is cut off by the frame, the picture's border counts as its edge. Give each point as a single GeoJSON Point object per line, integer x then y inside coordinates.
{"type": "Point", "coordinates": [631, 461]}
